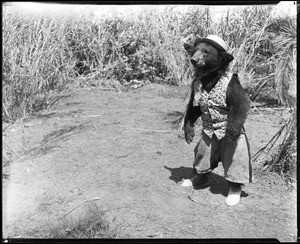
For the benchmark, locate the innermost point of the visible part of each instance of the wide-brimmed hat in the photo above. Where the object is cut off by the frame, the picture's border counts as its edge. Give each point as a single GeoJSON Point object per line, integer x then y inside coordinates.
{"type": "Point", "coordinates": [215, 41]}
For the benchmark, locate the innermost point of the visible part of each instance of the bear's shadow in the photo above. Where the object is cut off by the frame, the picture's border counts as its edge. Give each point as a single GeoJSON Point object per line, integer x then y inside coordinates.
{"type": "Point", "coordinates": [217, 183]}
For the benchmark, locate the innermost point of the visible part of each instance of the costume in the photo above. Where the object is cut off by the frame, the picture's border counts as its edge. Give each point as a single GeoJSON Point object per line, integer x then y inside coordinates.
{"type": "Point", "coordinates": [213, 146]}
{"type": "Point", "coordinates": [218, 97]}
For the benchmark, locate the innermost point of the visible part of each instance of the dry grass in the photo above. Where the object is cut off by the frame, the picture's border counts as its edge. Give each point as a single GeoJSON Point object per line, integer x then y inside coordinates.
{"type": "Point", "coordinates": [91, 224]}
{"type": "Point", "coordinates": [33, 62]}
{"type": "Point", "coordinates": [283, 150]}
{"type": "Point", "coordinates": [284, 160]}
{"type": "Point", "coordinates": [44, 54]}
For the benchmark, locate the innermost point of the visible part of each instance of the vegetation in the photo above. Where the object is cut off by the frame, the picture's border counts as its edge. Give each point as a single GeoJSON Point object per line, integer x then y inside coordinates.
{"type": "Point", "coordinates": [91, 224]}
{"type": "Point", "coordinates": [46, 54]}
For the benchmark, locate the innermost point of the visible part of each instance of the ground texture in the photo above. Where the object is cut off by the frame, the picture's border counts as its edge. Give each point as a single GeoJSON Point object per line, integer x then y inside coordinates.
{"type": "Point", "coordinates": [124, 151]}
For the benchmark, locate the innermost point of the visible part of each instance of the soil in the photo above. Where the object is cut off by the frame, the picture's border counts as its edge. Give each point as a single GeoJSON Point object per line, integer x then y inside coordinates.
{"type": "Point", "coordinates": [125, 152]}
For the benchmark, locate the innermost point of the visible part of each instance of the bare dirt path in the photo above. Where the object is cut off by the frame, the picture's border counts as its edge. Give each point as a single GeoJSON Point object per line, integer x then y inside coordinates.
{"type": "Point", "coordinates": [124, 151]}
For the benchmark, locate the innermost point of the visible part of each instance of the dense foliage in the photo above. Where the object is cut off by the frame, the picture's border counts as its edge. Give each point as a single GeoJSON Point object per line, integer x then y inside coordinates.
{"type": "Point", "coordinates": [45, 53]}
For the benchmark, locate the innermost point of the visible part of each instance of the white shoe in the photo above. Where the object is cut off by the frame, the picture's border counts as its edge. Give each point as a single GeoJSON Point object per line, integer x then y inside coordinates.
{"type": "Point", "coordinates": [196, 180]}
{"type": "Point", "coordinates": [186, 183]}
{"type": "Point", "coordinates": [234, 196]}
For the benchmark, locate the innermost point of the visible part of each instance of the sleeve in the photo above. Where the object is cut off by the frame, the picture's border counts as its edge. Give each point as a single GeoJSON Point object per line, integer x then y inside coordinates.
{"type": "Point", "coordinates": [239, 105]}
{"type": "Point", "coordinates": [192, 112]}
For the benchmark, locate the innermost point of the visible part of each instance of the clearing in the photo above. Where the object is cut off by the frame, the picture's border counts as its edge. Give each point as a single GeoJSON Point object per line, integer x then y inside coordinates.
{"type": "Point", "coordinates": [125, 150]}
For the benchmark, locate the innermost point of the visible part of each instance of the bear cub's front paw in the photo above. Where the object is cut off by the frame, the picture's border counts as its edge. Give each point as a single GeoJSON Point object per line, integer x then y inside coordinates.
{"type": "Point", "coordinates": [189, 133]}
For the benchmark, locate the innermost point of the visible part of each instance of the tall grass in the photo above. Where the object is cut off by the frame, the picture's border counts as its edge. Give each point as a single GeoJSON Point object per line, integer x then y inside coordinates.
{"type": "Point", "coordinates": [34, 62]}
{"type": "Point", "coordinates": [44, 54]}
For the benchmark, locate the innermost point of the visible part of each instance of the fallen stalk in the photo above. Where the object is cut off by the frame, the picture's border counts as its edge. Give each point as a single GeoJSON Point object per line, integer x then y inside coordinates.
{"type": "Point", "coordinates": [95, 199]}
{"type": "Point", "coordinates": [13, 150]}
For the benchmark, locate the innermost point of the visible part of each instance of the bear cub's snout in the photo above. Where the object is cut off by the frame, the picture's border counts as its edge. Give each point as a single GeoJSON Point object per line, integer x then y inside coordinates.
{"type": "Point", "coordinates": [203, 55]}
{"type": "Point", "coordinates": [195, 62]}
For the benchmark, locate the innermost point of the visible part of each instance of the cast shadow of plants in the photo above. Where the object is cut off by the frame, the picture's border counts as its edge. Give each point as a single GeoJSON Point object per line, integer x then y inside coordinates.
{"type": "Point", "coordinates": [217, 183]}
{"type": "Point", "coordinates": [174, 118]}
{"type": "Point", "coordinates": [61, 114]}
{"type": "Point", "coordinates": [51, 140]}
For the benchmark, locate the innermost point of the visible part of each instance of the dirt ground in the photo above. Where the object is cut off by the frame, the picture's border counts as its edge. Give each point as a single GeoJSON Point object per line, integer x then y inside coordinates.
{"type": "Point", "coordinates": [125, 151]}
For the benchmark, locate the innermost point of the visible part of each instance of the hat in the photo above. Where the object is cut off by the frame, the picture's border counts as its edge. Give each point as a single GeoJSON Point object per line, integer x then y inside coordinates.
{"type": "Point", "coordinates": [215, 41]}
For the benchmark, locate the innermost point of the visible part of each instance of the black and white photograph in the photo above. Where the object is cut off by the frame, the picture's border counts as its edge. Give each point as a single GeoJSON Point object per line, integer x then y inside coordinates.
{"type": "Point", "coordinates": [148, 121]}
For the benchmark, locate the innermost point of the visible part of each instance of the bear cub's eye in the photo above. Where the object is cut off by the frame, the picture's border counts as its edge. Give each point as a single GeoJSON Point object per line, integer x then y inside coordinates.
{"type": "Point", "coordinates": [205, 51]}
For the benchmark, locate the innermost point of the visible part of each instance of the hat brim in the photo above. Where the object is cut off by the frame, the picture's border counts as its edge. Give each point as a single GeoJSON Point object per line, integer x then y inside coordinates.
{"type": "Point", "coordinates": [205, 40]}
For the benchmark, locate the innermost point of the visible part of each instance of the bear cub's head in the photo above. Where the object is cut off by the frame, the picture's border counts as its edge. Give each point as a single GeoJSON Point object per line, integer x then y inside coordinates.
{"type": "Point", "coordinates": [205, 56]}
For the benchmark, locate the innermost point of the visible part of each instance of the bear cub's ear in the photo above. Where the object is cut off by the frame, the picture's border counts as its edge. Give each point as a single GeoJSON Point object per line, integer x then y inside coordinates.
{"type": "Point", "coordinates": [226, 58]}
{"type": "Point", "coordinates": [189, 48]}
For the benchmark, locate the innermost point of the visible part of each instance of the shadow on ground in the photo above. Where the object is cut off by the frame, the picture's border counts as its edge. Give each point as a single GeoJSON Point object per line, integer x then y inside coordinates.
{"type": "Point", "coordinates": [174, 118]}
{"type": "Point", "coordinates": [177, 174]}
{"type": "Point", "coordinates": [51, 140]}
{"type": "Point", "coordinates": [61, 114]}
{"type": "Point", "coordinates": [217, 183]}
